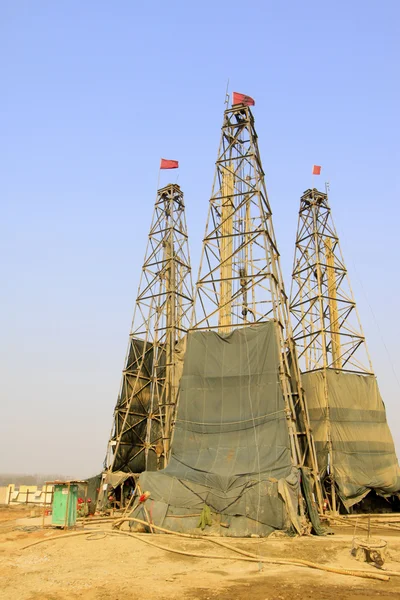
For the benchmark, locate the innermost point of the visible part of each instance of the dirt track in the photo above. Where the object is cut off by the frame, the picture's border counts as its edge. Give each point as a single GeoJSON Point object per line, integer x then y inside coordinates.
{"type": "Point", "coordinates": [123, 568]}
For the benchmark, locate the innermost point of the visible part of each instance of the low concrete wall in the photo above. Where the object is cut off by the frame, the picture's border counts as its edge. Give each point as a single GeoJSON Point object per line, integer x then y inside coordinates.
{"type": "Point", "coordinates": [25, 494]}
{"type": "Point", "coordinates": [4, 494]}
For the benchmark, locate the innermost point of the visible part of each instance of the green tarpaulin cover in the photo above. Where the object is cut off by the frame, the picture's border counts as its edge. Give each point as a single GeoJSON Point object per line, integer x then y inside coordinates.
{"type": "Point", "coordinates": [363, 453]}
{"type": "Point", "coordinates": [230, 449]}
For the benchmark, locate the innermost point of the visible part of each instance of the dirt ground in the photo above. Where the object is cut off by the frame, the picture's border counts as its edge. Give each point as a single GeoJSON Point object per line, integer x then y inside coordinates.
{"type": "Point", "coordinates": [10, 513]}
{"type": "Point", "coordinates": [116, 567]}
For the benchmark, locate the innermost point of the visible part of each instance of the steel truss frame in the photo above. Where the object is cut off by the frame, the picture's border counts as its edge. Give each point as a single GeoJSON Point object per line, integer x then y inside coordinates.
{"type": "Point", "coordinates": [240, 280]}
{"type": "Point", "coordinates": [326, 326]}
{"type": "Point", "coordinates": [144, 414]}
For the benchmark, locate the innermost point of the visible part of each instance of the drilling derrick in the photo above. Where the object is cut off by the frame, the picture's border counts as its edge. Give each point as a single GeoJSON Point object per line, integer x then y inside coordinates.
{"type": "Point", "coordinates": [240, 282]}
{"type": "Point", "coordinates": [326, 326]}
{"type": "Point", "coordinates": [336, 368]}
{"type": "Point", "coordinates": [144, 413]}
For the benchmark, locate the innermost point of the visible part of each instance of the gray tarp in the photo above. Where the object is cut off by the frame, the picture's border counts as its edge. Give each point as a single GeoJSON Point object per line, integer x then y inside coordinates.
{"type": "Point", "coordinates": [364, 456]}
{"type": "Point", "coordinates": [130, 456]}
{"type": "Point", "coordinates": [231, 447]}
{"type": "Point", "coordinates": [115, 479]}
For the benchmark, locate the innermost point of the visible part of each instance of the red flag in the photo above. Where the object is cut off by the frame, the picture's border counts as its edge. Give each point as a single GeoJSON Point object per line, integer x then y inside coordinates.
{"type": "Point", "coordinates": [169, 164]}
{"type": "Point", "coordinates": [316, 170]}
{"type": "Point", "coordinates": [242, 99]}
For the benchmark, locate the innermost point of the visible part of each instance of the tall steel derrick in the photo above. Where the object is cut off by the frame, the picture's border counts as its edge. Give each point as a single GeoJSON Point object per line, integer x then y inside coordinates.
{"type": "Point", "coordinates": [240, 281]}
{"type": "Point", "coordinates": [143, 416]}
{"type": "Point", "coordinates": [326, 326]}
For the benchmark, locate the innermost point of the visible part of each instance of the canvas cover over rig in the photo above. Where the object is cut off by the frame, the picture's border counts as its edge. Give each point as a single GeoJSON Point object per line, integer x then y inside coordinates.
{"type": "Point", "coordinates": [354, 445]}
{"type": "Point", "coordinates": [141, 433]}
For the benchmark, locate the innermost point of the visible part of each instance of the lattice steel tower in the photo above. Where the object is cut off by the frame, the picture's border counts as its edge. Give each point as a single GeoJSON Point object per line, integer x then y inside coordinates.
{"type": "Point", "coordinates": [326, 326]}
{"type": "Point", "coordinates": [144, 413]}
{"type": "Point", "coordinates": [240, 281]}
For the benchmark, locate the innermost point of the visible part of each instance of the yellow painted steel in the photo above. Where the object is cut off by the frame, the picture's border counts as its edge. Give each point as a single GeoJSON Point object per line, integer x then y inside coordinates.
{"type": "Point", "coordinates": [170, 383]}
{"type": "Point", "coordinates": [227, 210]}
{"type": "Point", "coordinates": [333, 305]}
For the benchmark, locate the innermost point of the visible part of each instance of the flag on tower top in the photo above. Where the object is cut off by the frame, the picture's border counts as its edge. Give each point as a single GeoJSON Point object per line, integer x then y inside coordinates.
{"type": "Point", "coordinates": [316, 170]}
{"type": "Point", "coordinates": [169, 164]}
{"type": "Point", "coordinates": [242, 99]}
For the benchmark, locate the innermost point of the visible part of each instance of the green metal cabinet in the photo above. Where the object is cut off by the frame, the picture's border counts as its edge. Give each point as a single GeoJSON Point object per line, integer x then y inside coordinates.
{"type": "Point", "coordinates": [64, 504]}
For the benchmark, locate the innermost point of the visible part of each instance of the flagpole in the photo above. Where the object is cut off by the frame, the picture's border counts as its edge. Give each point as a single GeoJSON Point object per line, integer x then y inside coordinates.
{"type": "Point", "coordinates": [327, 188]}
{"type": "Point", "coordinates": [159, 173]}
{"type": "Point", "coordinates": [227, 94]}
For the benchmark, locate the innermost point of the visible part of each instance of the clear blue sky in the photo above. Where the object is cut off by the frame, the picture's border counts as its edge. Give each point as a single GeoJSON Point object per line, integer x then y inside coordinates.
{"type": "Point", "coordinates": [93, 94]}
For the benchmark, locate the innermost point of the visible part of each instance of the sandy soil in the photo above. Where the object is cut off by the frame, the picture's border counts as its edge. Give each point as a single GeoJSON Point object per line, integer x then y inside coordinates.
{"type": "Point", "coordinates": [10, 513]}
{"type": "Point", "coordinates": [110, 567]}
